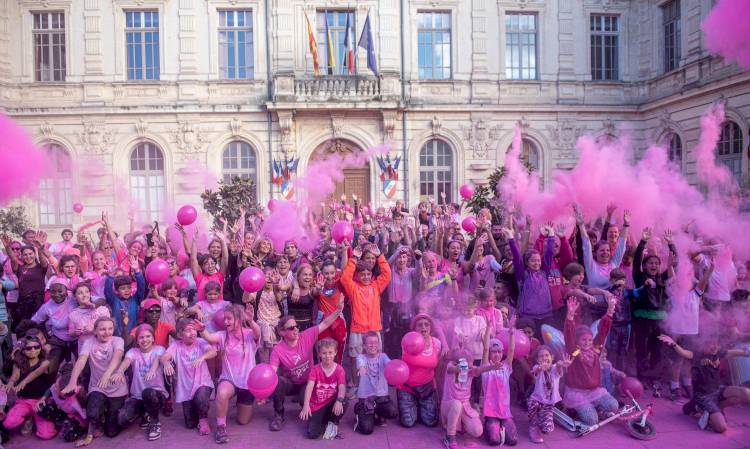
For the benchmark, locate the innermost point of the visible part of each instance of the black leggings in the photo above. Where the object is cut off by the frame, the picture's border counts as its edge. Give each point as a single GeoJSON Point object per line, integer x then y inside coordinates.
{"type": "Point", "coordinates": [647, 348]}
{"type": "Point", "coordinates": [197, 408]}
{"type": "Point", "coordinates": [367, 409]}
{"type": "Point", "coordinates": [286, 388]}
{"type": "Point", "coordinates": [102, 410]}
{"type": "Point", "coordinates": [150, 404]}
{"type": "Point", "coordinates": [320, 418]}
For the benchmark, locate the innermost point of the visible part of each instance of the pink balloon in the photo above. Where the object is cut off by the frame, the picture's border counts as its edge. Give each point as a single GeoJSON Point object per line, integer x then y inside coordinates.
{"type": "Point", "coordinates": [187, 215]}
{"type": "Point", "coordinates": [469, 224]}
{"type": "Point", "coordinates": [77, 208]}
{"type": "Point", "coordinates": [252, 279]}
{"type": "Point", "coordinates": [396, 372]}
{"type": "Point", "coordinates": [413, 343]}
{"type": "Point", "coordinates": [631, 385]}
{"type": "Point", "coordinates": [466, 191]}
{"type": "Point", "coordinates": [157, 271]}
{"type": "Point", "coordinates": [272, 204]}
{"type": "Point", "coordinates": [523, 344]}
{"type": "Point", "coordinates": [219, 320]}
{"type": "Point", "coordinates": [341, 231]}
{"type": "Point", "coordinates": [262, 381]}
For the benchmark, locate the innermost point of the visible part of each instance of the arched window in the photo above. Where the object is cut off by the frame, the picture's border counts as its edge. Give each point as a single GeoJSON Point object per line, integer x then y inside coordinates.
{"type": "Point", "coordinates": [239, 160]}
{"type": "Point", "coordinates": [55, 191]}
{"type": "Point", "coordinates": [675, 149]}
{"type": "Point", "coordinates": [530, 154]}
{"type": "Point", "coordinates": [729, 149]}
{"type": "Point", "coordinates": [436, 170]}
{"type": "Point", "coordinates": [147, 180]}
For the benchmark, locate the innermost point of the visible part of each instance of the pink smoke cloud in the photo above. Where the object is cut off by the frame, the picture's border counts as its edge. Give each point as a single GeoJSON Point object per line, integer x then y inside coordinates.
{"type": "Point", "coordinates": [727, 31]}
{"type": "Point", "coordinates": [24, 165]}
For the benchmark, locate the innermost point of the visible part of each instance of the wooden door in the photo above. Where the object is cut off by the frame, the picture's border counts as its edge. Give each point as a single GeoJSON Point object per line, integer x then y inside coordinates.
{"type": "Point", "coordinates": [356, 179]}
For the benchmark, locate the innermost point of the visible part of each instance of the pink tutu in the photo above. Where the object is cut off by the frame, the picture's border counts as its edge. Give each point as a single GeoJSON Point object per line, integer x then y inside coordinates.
{"type": "Point", "coordinates": [575, 398]}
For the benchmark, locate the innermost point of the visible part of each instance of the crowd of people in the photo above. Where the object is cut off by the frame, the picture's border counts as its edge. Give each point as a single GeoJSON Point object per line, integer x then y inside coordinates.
{"type": "Point", "coordinates": [91, 347]}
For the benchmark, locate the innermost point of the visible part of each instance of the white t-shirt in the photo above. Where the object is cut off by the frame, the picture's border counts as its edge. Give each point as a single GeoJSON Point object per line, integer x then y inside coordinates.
{"type": "Point", "coordinates": [684, 316]}
{"type": "Point", "coordinates": [141, 363]}
{"type": "Point", "coordinates": [100, 354]}
{"type": "Point", "coordinates": [722, 280]}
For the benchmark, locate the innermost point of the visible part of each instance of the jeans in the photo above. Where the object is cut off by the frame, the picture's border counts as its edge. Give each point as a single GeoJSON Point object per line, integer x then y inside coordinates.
{"type": "Point", "coordinates": [647, 347]}
{"type": "Point", "coordinates": [588, 414]}
{"type": "Point", "coordinates": [412, 408]}
{"type": "Point", "coordinates": [150, 404]}
{"type": "Point", "coordinates": [617, 345]}
{"type": "Point", "coordinates": [103, 410]}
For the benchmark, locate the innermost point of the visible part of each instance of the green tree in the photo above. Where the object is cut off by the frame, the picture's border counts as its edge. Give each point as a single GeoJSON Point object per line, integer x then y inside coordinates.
{"type": "Point", "coordinates": [226, 200]}
{"type": "Point", "coordinates": [13, 220]}
{"type": "Point", "coordinates": [486, 196]}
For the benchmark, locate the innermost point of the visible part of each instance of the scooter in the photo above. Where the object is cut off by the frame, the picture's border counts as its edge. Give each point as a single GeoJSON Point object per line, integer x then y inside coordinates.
{"type": "Point", "coordinates": [635, 417]}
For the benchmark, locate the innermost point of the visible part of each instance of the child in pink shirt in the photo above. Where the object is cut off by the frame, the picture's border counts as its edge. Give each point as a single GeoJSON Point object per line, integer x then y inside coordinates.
{"type": "Point", "coordinates": [325, 394]}
{"type": "Point", "coordinates": [194, 384]}
{"type": "Point", "coordinates": [498, 420]}
{"type": "Point", "coordinates": [546, 392]}
{"type": "Point", "coordinates": [81, 320]}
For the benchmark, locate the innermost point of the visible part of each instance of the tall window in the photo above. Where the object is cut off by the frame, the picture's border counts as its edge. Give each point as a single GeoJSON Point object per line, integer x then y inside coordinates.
{"type": "Point", "coordinates": [530, 154]}
{"type": "Point", "coordinates": [236, 44]}
{"type": "Point", "coordinates": [142, 37]}
{"type": "Point", "coordinates": [55, 191]}
{"type": "Point", "coordinates": [605, 40]}
{"type": "Point", "coordinates": [239, 161]}
{"type": "Point", "coordinates": [520, 46]}
{"type": "Point", "coordinates": [729, 149]}
{"type": "Point", "coordinates": [147, 180]}
{"type": "Point", "coordinates": [671, 25]}
{"type": "Point", "coordinates": [49, 46]}
{"type": "Point", "coordinates": [675, 149]}
{"type": "Point", "coordinates": [337, 28]}
{"type": "Point", "coordinates": [434, 44]}
{"type": "Point", "coordinates": [436, 170]}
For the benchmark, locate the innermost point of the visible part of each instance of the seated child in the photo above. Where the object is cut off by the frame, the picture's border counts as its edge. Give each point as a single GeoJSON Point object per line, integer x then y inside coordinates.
{"type": "Point", "coordinates": [325, 394]}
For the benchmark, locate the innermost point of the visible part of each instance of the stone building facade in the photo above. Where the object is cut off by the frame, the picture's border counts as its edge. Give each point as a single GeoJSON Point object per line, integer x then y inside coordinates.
{"type": "Point", "coordinates": [144, 95]}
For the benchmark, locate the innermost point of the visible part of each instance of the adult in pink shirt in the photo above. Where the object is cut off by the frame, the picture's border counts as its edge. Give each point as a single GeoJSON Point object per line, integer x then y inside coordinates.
{"type": "Point", "coordinates": [294, 355]}
{"type": "Point", "coordinates": [417, 398]}
{"type": "Point", "coordinates": [205, 267]}
{"type": "Point", "coordinates": [237, 346]}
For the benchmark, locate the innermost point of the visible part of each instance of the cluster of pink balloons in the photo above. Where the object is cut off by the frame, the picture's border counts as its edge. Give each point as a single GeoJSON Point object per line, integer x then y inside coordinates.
{"type": "Point", "coordinates": [262, 381]}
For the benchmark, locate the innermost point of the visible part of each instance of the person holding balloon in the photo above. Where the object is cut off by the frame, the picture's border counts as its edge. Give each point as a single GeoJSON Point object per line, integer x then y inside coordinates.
{"type": "Point", "coordinates": [294, 355]}
{"type": "Point", "coordinates": [417, 397]}
{"type": "Point", "coordinates": [237, 345]}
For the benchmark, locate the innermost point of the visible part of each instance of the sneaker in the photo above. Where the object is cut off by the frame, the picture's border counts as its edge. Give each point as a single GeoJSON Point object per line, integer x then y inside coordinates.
{"type": "Point", "coordinates": [154, 431]}
{"type": "Point", "coordinates": [380, 421]}
{"type": "Point", "coordinates": [168, 408]}
{"type": "Point", "coordinates": [703, 420]}
{"type": "Point", "coordinates": [203, 427]}
{"type": "Point", "coordinates": [657, 390]}
{"type": "Point", "coordinates": [331, 431]}
{"type": "Point", "coordinates": [145, 421]}
{"type": "Point", "coordinates": [277, 422]}
{"type": "Point", "coordinates": [28, 427]}
{"type": "Point", "coordinates": [674, 394]}
{"type": "Point", "coordinates": [535, 436]}
{"type": "Point", "coordinates": [449, 442]}
{"type": "Point", "coordinates": [221, 436]}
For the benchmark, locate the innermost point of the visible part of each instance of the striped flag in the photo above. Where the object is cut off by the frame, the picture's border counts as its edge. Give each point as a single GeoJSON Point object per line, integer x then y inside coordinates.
{"type": "Point", "coordinates": [366, 42]}
{"type": "Point", "coordinates": [329, 48]}
{"type": "Point", "coordinates": [348, 47]}
{"type": "Point", "coordinates": [313, 46]}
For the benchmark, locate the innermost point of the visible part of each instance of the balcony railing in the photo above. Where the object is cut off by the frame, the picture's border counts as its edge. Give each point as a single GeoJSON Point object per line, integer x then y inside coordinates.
{"type": "Point", "coordinates": [333, 87]}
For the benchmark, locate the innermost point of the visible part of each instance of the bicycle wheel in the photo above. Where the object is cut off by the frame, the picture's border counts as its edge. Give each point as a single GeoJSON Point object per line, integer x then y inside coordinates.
{"type": "Point", "coordinates": [646, 432]}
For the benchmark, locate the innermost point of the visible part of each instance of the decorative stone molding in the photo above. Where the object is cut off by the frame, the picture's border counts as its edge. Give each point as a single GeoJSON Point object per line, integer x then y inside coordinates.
{"type": "Point", "coordinates": [337, 125]}
{"type": "Point", "coordinates": [524, 122]}
{"type": "Point", "coordinates": [286, 131]}
{"type": "Point", "coordinates": [436, 125]}
{"type": "Point", "coordinates": [389, 124]}
{"type": "Point", "coordinates": [235, 126]}
{"type": "Point", "coordinates": [94, 137]}
{"type": "Point", "coordinates": [481, 136]}
{"type": "Point", "coordinates": [46, 129]}
{"type": "Point", "coordinates": [565, 135]}
{"type": "Point", "coordinates": [188, 137]}
{"type": "Point", "coordinates": [141, 127]}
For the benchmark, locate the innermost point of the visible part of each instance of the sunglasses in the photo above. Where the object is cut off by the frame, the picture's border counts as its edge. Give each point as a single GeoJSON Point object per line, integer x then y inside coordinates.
{"type": "Point", "coordinates": [15, 248]}
{"type": "Point", "coordinates": [32, 348]}
{"type": "Point", "coordinates": [154, 310]}
{"type": "Point", "coordinates": [291, 328]}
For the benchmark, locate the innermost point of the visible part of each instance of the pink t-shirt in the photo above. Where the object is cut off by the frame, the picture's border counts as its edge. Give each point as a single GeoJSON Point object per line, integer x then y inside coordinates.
{"type": "Point", "coordinates": [295, 362]}
{"type": "Point", "coordinates": [544, 380]}
{"type": "Point", "coordinates": [84, 318]}
{"type": "Point", "coordinates": [56, 317]}
{"type": "Point", "coordinates": [96, 281]}
{"type": "Point", "coordinates": [100, 354]}
{"type": "Point", "coordinates": [190, 378]}
{"type": "Point", "coordinates": [496, 388]}
{"type": "Point", "coordinates": [201, 280]}
{"type": "Point", "coordinates": [422, 366]}
{"type": "Point", "coordinates": [169, 311]}
{"type": "Point", "coordinates": [238, 357]}
{"type": "Point", "coordinates": [141, 363]}
{"type": "Point", "coordinates": [453, 389]}
{"type": "Point", "coordinates": [494, 319]}
{"type": "Point", "coordinates": [209, 309]}
{"type": "Point", "coordinates": [326, 387]}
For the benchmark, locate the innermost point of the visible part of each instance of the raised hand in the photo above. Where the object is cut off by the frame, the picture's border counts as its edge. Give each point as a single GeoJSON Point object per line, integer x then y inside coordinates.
{"type": "Point", "coordinates": [572, 307]}
{"type": "Point", "coordinates": [578, 214]}
{"type": "Point", "coordinates": [611, 208]}
{"type": "Point", "coordinates": [668, 236]}
{"type": "Point", "coordinates": [666, 339]}
{"type": "Point", "coordinates": [560, 230]}
{"type": "Point", "coordinates": [566, 360]}
{"type": "Point", "coordinates": [646, 234]}
{"type": "Point", "coordinates": [626, 215]}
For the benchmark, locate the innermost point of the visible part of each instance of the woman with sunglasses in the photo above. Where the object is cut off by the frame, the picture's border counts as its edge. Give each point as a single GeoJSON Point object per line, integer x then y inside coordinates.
{"type": "Point", "coordinates": [30, 367]}
{"type": "Point", "coordinates": [294, 354]}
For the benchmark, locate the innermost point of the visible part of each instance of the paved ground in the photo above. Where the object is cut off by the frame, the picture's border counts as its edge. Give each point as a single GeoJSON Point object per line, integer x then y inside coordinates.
{"type": "Point", "coordinates": [675, 431]}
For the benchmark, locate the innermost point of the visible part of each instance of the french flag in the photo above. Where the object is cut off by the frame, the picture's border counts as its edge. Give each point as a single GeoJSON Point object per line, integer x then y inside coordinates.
{"type": "Point", "coordinates": [349, 47]}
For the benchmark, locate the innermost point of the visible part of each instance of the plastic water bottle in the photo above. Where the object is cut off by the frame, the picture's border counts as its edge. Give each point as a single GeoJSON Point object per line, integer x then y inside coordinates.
{"type": "Point", "coordinates": [463, 370]}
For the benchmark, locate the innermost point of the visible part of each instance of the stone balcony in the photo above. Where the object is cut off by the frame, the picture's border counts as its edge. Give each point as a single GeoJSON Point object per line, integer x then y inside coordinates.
{"type": "Point", "coordinates": [332, 91]}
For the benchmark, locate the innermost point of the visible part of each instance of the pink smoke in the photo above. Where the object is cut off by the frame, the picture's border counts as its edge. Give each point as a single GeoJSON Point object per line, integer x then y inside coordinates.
{"type": "Point", "coordinates": [709, 173]}
{"type": "Point", "coordinates": [727, 31]}
{"type": "Point", "coordinates": [289, 219]}
{"type": "Point", "coordinates": [24, 165]}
